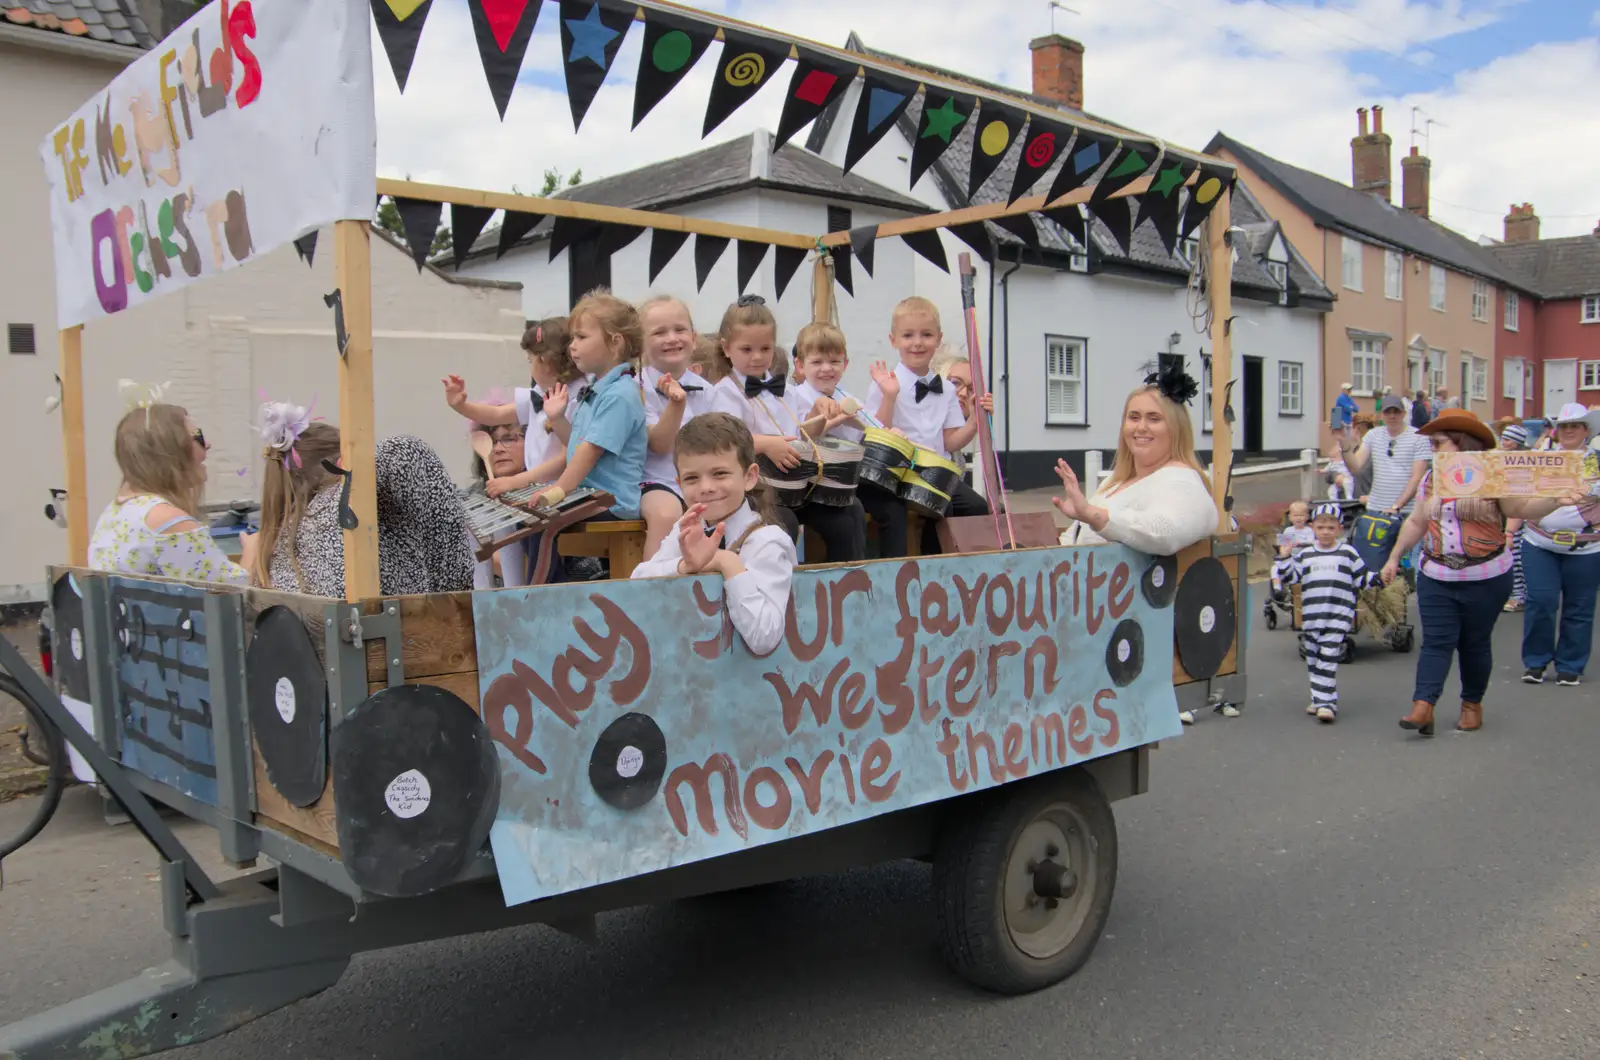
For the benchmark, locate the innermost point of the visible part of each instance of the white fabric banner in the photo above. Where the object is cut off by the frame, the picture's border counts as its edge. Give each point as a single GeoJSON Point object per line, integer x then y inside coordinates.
{"type": "Point", "coordinates": [248, 127]}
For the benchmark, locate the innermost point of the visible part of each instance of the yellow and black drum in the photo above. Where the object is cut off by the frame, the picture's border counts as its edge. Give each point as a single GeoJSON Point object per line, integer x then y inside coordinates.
{"type": "Point", "coordinates": [929, 484]}
{"type": "Point", "coordinates": [886, 457]}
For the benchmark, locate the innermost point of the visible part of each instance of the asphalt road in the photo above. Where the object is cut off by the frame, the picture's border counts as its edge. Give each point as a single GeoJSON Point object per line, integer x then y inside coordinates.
{"type": "Point", "coordinates": [1287, 890]}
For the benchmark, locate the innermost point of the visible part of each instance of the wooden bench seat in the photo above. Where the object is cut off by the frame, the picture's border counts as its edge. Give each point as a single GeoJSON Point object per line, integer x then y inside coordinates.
{"type": "Point", "coordinates": [620, 543]}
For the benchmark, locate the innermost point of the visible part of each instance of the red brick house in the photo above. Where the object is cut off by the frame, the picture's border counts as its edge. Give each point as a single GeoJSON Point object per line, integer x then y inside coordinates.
{"type": "Point", "coordinates": [1547, 335]}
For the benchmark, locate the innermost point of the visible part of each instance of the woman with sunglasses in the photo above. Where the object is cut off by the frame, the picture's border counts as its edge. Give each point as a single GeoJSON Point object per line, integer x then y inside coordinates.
{"type": "Point", "coordinates": [151, 526]}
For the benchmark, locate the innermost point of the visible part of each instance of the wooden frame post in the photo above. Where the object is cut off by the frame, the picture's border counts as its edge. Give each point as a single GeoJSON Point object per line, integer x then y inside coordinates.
{"type": "Point", "coordinates": [822, 289]}
{"type": "Point", "coordinates": [77, 467]}
{"type": "Point", "coordinates": [352, 271]}
{"type": "Point", "coordinates": [1220, 293]}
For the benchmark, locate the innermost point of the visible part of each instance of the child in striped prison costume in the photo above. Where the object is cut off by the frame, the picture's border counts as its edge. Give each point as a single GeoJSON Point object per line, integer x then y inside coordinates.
{"type": "Point", "coordinates": [1330, 574]}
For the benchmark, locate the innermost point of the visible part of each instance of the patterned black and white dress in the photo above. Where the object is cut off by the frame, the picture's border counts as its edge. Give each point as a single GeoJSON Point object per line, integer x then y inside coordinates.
{"type": "Point", "coordinates": [424, 542]}
{"type": "Point", "coordinates": [1329, 581]}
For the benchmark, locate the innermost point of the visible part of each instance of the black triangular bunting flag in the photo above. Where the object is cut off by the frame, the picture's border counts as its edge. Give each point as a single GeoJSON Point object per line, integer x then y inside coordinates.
{"type": "Point", "coordinates": [883, 99]}
{"type": "Point", "coordinates": [399, 28]}
{"type": "Point", "coordinates": [976, 236]}
{"type": "Point", "coordinates": [1045, 142]}
{"type": "Point", "coordinates": [841, 269]}
{"type": "Point", "coordinates": [569, 230]}
{"type": "Point", "coordinates": [817, 83]}
{"type": "Point", "coordinates": [513, 226]}
{"type": "Point", "coordinates": [707, 250]}
{"type": "Point", "coordinates": [1134, 162]}
{"type": "Point", "coordinates": [1204, 196]}
{"type": "Point", "coordinates": [1088, 153]}
{"type": "Point", "coordinates": [929, 245]}
{"type": "Point", "coordinates": [466, 225]}
{"type": "Point", "coordinates": [591, 33]}
{"type": "Point", "coordinates": [615, 237]}
{"type": "Point", "coordinates": [1162, 204]}
{"type": "Point", "coordinates": [943, 115]}
{"type": "Point", "coordinates": [502, 29]}
{"type": "Point", "coordinates": [745, 66]}
{"type": "Point", "coordinates": [750, 257]}
{"type": "Point", "coordinates": [863, 244]}
{"type": "Point", "coordinates": [785, 262]}
{"type": "Point", "coordinates": [997, 127]}
{"type": "Point", "coordinates": [664, 245]}
{"type": "Point", "coordinates": [420, 219]}
{"type": "Point", "coordinates": [306, 247]}
{"type": "Point", "coordinates": [672, 46]}
{"type": "Point", "coordinates": [1020, 225]}
{"type": "Point", "coordinates": [1116, 215]}
{"type": "Point", "coordinates": [1071, 221]}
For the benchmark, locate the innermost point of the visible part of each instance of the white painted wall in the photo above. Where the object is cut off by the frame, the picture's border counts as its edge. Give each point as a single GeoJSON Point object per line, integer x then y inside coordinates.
{"type": "Point", "coordinates": [1127, 323]}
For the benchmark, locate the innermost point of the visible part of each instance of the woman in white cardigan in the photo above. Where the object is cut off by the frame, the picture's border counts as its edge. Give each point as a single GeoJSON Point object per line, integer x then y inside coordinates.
{"type": "Point", "coordinates": [1157, 499]}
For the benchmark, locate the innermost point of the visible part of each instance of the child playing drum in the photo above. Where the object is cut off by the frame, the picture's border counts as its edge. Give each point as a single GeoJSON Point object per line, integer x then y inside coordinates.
{"type": "Point", "coordinates": [730, 529]}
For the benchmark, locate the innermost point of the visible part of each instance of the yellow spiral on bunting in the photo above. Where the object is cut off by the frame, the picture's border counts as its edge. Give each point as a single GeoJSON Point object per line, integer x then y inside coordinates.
{"type": "Point", "coordinates": [745, 70]}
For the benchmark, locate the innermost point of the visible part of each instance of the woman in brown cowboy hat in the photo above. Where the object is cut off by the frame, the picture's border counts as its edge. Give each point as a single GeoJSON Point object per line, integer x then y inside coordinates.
{"type": "Point", "coordinates": [1464, 577]}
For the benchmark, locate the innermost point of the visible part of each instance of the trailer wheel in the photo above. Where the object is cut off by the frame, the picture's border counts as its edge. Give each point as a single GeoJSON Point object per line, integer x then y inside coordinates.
{"type": "Point", "coordinates": [1023, 882]}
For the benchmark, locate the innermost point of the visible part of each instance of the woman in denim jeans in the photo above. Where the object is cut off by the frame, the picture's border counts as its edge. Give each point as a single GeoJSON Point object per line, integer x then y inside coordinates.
{"type": "Point", "coordinates": [1561, 569]}
{"type": "Point", "coordinates": [1464, 578]}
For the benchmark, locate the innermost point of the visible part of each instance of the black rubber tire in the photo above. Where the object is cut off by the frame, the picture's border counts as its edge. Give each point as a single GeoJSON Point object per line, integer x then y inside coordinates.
{"type": "Point", "coordinates": [1404, 639]}
{"type": "Point", "coordinates": [46, 739]}
{"type": "Point", "coordinates": [1272, 620]}
{"type": "Point", "coordinates": [1347, 650]}
{"type": "Point", "coordinates": [969, 881]}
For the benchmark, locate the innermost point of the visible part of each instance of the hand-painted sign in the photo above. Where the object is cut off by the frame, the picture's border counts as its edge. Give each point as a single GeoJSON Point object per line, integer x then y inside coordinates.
{"type": "Point", "coordinates": [1513, 473]}
{"type": "Point", "coordinates": [636, 732]}
{"type": "Point", "coordinates": [249, 126]}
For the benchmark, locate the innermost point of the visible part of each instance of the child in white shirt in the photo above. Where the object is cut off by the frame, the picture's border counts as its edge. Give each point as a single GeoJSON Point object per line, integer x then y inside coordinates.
{"type": "Point", "coordinates": [1298, 534]}
{"type": "Point", "coordinates": [729, 529]}
{"type": "Point", "coordinates": [673, 395]}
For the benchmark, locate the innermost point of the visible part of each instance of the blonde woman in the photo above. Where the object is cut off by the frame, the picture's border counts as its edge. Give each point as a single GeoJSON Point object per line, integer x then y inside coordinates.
{"type": "Point", "coordinates": [151, 527]}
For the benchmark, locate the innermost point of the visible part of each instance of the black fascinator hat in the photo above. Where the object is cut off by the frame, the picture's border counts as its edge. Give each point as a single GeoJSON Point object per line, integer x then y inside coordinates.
{"type": "Point", "coordinates": [1175, 384]}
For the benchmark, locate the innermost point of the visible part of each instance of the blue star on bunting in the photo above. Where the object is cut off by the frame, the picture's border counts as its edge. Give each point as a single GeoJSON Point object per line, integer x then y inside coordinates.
{"type": "Point", "coordinates": [590, 37]}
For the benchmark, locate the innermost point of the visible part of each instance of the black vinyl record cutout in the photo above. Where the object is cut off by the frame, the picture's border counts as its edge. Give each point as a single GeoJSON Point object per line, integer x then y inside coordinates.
{"type": "Point", "coordinates": [416, 782]}
{"type": "Point", "coordinates": [1160, 582]}
{"type": "Point", "coordinates": [628, 762]}
{"type": "Point", "coordinates": [70, 650]}
{"type": "Point", "coordinates": [1125, 653]}
{"type": "Point", "coordinates": [287, 695]}
{"type": "Point", "coordinates": [1204, 618]}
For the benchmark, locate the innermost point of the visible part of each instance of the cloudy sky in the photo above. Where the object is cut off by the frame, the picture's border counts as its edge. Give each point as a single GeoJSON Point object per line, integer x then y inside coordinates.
{"type": "Point", "coordinates": [1512, 86]}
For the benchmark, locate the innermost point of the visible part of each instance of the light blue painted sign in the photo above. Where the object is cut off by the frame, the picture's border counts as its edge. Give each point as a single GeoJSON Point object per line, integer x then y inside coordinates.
{"type": "Point", "coordinates": [898, 683]}
{"type": "Point", "coordinates": [164, 684]}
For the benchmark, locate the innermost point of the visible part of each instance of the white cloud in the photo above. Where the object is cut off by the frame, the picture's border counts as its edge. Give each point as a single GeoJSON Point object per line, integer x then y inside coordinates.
{"type": "Point", "coordinates": [1279, 76]}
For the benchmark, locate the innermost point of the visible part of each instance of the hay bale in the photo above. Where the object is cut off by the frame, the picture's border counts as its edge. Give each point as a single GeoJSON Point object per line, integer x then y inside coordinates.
{"type": "Point", "coordinates": [1385, 607]}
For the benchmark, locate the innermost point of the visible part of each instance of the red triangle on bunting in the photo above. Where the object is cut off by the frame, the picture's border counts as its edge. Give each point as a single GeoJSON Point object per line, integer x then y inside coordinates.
{"type": "Point", "coordinates": [502, 29]}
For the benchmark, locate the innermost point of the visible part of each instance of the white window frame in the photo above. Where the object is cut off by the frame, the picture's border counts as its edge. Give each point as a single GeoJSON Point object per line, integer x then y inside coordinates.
{"type": "Point", "coordinates": [1291, 388]}
{"type": "Point", "coordinates": [1279, 271]}
{"type": "Point", "coordinates": [1394, 275]}
{"type": "Point", "coordinates": [1438, 286]}
{"type": "Point", "coordinates": [1480, 300]}
{"type": "Point", "coordinates": [1589, 309]}
{"type": "Point", "coordinates": [1079, 378]}
{"type": "Point", "coordinates": [1589, 375]}
{"type": "Point", "coordinates": [1189, 250]}
{"type": "Point", "coordinates": [1438, 372]}
{"type": "Point", "coordinates": [1513, 310]}
{"type": "Point", "coordinates": [1480, 379]}
{"type": "Point", "coordinates": [1367, 365]}
{"type": "Point", "coordinates": [1511, 366]}
{"type": "Point", "coordinates": [1350, 262]}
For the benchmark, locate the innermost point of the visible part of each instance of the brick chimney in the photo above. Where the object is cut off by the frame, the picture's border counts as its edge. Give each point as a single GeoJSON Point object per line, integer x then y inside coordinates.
{"type": "Point", "coordinates": [1414, 170]}
{"type": "Point", "coordinates": [1058, 69]}
{"type": "Point", "coordinates": [1522, 224]}
{"type": "Point", "coordinates": [1369, 155]}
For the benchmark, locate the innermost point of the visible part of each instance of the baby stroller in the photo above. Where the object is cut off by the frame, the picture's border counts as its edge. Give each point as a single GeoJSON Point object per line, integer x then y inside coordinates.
{"type": "Point", "coordinates": [1283, 601]}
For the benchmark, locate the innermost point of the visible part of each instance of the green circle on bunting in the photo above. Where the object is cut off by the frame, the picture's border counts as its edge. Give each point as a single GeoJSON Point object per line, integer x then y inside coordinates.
{"type": "Point", "coordinates": [996, 137]}
{"type": "Point", "coordinates": [672, 52]}
{"type": "Point", "coordinates": [1208, 190]}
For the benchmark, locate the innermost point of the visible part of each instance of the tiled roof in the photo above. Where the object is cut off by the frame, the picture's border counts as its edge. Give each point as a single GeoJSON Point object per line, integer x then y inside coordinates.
{"type": "Point", "coordinates": [1341, 207]}
{"type": "Point", "coordinates": [719, 170]}
{"type": "Point", "coordinates": [1554, 268]}
{"type": "Point", "coordinates": [108, 21]}
{"type": "Point", "coordinates": [1145, 251]}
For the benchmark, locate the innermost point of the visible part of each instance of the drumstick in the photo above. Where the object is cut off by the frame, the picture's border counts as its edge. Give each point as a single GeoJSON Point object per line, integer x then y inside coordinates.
{"type": "Point", "coordinates": [850, 406]}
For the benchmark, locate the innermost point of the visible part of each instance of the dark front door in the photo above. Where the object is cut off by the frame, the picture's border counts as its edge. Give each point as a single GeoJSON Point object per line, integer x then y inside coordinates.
{"type": "Point", "coordinates": [1253, 405]}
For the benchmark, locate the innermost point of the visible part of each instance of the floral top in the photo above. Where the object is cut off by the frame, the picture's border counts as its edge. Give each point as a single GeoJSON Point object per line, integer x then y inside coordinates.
{"type": "Point", "coordinates": [124, 542]}
{"type": "Point", "coordinates": [424, 542]}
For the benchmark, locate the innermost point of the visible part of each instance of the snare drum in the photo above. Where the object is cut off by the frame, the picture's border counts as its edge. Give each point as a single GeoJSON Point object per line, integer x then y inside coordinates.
{"type": "Point", "coordinates": [840, 470]}
{"type": "Point", "coordinates": [886, 457]}
{"type": "Point", "coordinates": [790, 488]}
